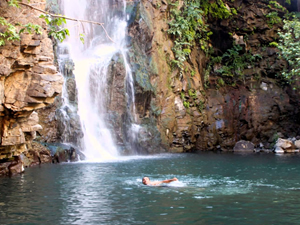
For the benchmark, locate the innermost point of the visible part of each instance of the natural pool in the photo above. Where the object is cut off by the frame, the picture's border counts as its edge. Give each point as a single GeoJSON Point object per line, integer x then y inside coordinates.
{"type": "Point", "coordinates": [212, 189]}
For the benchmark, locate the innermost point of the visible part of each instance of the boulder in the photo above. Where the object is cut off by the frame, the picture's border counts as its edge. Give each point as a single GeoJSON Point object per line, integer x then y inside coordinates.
{"type": "Point", "coordinates": [16, 168]}
{"type": "Point", "coordinates": [243, 146]}
{"type": "Point", "coordinates": [65, 155]}
{"type": "Point", "coordinates": [285, 144]}
{"type": "Point", "coordinates": [11, 166]}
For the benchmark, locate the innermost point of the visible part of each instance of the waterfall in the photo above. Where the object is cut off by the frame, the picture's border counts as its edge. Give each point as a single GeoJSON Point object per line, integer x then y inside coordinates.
{"type": "Point", "coordinates": [92, 60]}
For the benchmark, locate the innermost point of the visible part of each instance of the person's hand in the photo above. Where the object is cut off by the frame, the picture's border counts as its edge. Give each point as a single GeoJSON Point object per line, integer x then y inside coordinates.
{"type": "Point", "coordinates": [175, 179]}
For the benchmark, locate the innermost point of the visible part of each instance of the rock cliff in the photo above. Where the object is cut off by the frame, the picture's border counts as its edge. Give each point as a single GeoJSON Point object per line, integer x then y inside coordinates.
{"type": "Point", "coordinates": [198, 108]}
{"type": "Point", "coordinates": [29, 81]}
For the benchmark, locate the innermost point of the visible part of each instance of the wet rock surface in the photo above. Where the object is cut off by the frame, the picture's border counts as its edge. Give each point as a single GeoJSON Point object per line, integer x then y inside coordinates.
{"type": "Point", "coordinates": [11, 166]}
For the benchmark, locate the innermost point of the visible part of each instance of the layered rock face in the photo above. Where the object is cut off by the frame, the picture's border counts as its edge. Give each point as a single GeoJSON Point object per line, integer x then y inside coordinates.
{"type": "Point", "coordinates": [29, 81]}
{"type": "Point", "coordinates": [190, 116]}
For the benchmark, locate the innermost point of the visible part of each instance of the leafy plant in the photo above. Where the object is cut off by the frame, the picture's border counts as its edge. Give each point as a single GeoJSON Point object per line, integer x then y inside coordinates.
{"type": "Point", "coordinates": [54, 27]}
{"type": "Point", "coordinates": [235, 60]}
{"type": "Point", "coordinates": [186, 104]}
{"type": "Point", "coordinates": [187, 28]}
{"type": "Point", "coordinates": [273, 18]}
{"type": "Point", "coordinates": [14, 3]}
{"type": "Point", "coordinates": [11, 33]}
{"type": "Point", "coordinates": [201, 106]}
{"type": "Point", "coordinates": [276, 5]}
{"type": "Point", "coordinates": [289, 46]}
{"type": "Point", "coordinates": [273, 44]}
{"type": "Point", "coordinates": [217, 9]}
{"type": "Point", "coordinates": [192, 93]}
{"type": "Point", "coordinates": [193, 73]}
{"type": "Point", "coordinates": [182, 95]}
{"type": "Point", "coordinates": [221, 82]}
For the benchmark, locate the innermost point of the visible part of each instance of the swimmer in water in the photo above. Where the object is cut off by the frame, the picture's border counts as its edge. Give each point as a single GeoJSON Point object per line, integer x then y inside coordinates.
{"type": "Point", "coordinates": [147, 181]}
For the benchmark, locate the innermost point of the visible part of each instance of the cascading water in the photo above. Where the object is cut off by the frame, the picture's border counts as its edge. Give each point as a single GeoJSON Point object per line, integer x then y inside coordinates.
{"type": "Point", "coordinates": [92, 60]}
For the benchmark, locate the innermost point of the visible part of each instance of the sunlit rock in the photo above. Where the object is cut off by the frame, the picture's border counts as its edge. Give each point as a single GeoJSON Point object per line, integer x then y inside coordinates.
{"type": "Point", "coordinates": [29, 81]}
{"type": "Point", "coordinates": [285, 144]}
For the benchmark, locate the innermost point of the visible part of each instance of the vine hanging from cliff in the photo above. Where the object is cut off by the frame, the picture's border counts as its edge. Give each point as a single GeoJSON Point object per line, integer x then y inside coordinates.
{"type": "Point", "coordinates": [187, 27]}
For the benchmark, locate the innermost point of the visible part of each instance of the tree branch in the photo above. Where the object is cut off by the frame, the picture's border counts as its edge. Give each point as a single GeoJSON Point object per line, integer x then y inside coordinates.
{"type": "Point", "coordinates": [67, 18]}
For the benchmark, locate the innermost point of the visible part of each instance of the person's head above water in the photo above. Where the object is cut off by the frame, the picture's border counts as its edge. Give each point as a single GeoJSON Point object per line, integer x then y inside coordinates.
{"type": "Point", "coordinates": [146, 180]}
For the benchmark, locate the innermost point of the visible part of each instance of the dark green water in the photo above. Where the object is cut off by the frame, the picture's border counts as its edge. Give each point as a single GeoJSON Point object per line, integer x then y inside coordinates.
{"type": "Point", "coordinates": [212, 189]}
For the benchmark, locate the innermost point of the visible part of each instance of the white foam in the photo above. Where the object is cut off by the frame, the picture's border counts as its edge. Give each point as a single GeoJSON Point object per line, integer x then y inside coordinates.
{"type": "Point", "coordinates": [177, 184]}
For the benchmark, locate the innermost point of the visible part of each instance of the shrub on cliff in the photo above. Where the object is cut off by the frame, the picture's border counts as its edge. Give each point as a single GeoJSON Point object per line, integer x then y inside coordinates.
{"type": "Point", "coordinates": [289, 46]}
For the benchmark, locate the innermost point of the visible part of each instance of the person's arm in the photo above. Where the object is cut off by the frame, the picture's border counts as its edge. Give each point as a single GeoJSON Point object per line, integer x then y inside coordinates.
{"type": "Point", "coordinates": [163, 181]}
{"type": "Point", "coordinates": [170, 180]}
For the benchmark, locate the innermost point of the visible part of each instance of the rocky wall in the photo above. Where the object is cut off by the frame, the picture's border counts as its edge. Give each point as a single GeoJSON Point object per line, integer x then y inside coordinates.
{"type": "Point", "coordinates": [29, 81]}
{"type": "Point", "coordinates": [256, 109]}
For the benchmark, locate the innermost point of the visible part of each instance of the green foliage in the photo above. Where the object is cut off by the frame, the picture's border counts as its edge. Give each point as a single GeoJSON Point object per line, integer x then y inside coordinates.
{"type": "Point", "coordinates": [273, 44]}
{"type": "Point", "coordinates": [81, 37]}
{"type": "Point", "coordinates": [288, 2]}
{"type": "Point", "coordinates": [233, 11]}
{"type": "Point", "coordinates": [235, 61]}
{"type": "Point", "coordinates": [217, 59]}
{"type": "Point", "coordinates": [187, 28]}
{"type": "Point", "coordinates": [221, 82]}
{"type": "Point", "coordinates": [273, 18]}
{"type": "Point", "coordinates": [29, 27]}
{"type": "Point", "coordinates": [193, 73]}
{"type": "Point", "coordinates": [276, 5]}
{"type": "Point", "coordinates": [217, 9]}
{"type": "Point", "coordinates": [54, 28]}
{"type": "Point", "coordinates": [192, 100]}
{"type": "Point", "coordinates": [206, 76]}
{"type": "Point", "coordinates": [186, 104]}
{"type": "Point", "coordinates": [192, 93]}
{"type": "Point", "coordinates": [182, 95]}
{"type": "Point", "coordinates": [289, 46]}
{"type": "Point", "coordinates": [201, 106]}
{"type": "Point", "coordinates": [14, 3]}
{"type": "Point", "coordinates": [11, 33]}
